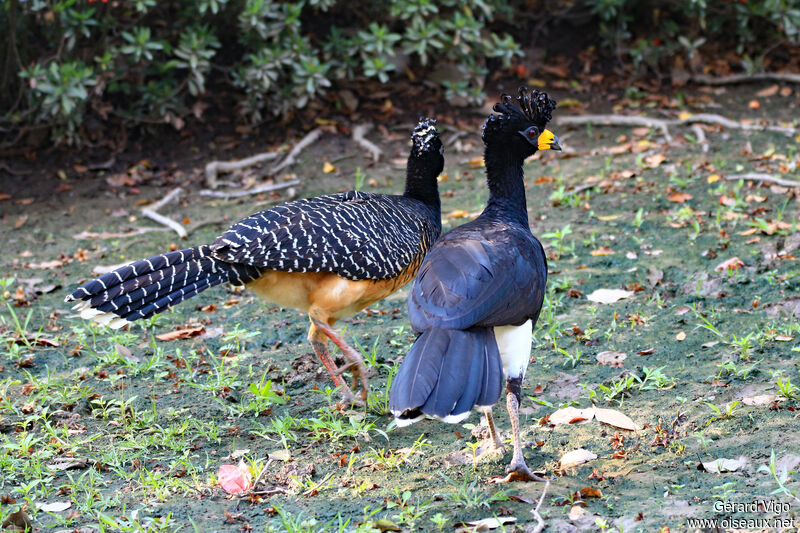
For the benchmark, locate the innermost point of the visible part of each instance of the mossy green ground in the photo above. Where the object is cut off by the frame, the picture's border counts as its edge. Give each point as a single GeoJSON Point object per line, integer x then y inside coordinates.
{"type": "Point", "coordinates": [147, 423]}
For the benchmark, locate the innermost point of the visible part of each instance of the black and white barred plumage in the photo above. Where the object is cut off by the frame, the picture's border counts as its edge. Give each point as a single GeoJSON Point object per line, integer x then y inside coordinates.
{"type": "Point", "coordinates": [356, 235]}
{"type": "Point", "coordinates": [149, 286]}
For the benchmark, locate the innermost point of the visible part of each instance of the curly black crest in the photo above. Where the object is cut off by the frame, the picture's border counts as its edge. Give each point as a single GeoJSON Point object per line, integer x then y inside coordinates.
{"type": "Point", "coordinates": [534, 106]}
{"type": "Point", "coordinates": [425, 135]}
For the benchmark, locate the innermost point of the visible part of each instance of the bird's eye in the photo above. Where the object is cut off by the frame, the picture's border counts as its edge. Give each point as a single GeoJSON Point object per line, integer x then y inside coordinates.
{"type": "Point", "coordinates": [532, 132]}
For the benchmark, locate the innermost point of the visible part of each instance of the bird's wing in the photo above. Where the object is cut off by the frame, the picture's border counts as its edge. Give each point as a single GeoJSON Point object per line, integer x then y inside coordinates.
{"type": "Point", "coordinates": [475, 281]}
{"type": "Point", "coordinates": [356, 235]}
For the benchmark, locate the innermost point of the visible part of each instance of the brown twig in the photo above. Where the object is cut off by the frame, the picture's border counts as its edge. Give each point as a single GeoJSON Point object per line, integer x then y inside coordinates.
{"type": "Point", "coordinates": [318, 485]}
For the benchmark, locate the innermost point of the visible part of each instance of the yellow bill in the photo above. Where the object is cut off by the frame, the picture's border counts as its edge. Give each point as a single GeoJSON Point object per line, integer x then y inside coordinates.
{"type": "Point", "coordinates": [548, 141]}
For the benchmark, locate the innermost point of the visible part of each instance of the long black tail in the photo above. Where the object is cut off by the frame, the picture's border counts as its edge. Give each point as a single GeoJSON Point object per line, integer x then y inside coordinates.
{"type": "Point", "coordinates": [445, 373]}
{"type": "Point", "coordinates": [152, 285]}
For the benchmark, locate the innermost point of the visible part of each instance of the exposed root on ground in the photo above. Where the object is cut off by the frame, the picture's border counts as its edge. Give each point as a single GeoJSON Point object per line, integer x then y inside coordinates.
{"type": "Point", "coordinates": [151, 212]}
{"type": "Point", "coordinates": [214, 168]}
{"type": "Point", "coordinates": [247, 192]}
{"type": "Point", "coordinates": [664, 124]}
{"type": "Point", "coordinates": [767, 178]}
{"type": "Point", "coordinates": [358, 136]}
{"type": "Point", "coordinates": [705, 79]}
{"type": "Point", "coordinates": [540, 525]}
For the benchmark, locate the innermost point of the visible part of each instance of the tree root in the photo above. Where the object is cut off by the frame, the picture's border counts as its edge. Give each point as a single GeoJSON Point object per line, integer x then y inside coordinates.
{"type": "Point", "coordinates": [540, 524]}
{"type": "Point", "coordinates": [151, 213]}
{"type": "Point", "coordinates": [664, 124]}
{"type": "Point", "coordinates": [620, 120]}
{"type": "Point", "coordinates": [767, 178]}
{"type": "Point", "coordinates": [215, 167]}
{"type": "Point", "coordinates": [358, 136]}
{"type": "Point", "coordinates": [248, 192]}
{"type": "Point", "coordinates": [704, 79]}
{"type": "Point", "coordinates": [291, 157]}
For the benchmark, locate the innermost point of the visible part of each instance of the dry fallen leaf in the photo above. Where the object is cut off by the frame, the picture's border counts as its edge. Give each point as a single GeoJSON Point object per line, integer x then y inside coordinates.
{"type": "Point", "coordinates": [182, 333]}
{"type": "Point", "coordinates": [457, 213]}
{"type": "Point", "coordinates": [679, 197]}
{"type": "Point", "coordinates": [235, 478]}
{"type": "Point", "coordinates": [67, 463]}
{"type": "Point", "coordinates": [652, 161]}
{"type": "Point", "coordinates": [55, 507]}
{"type": "Point", "coordinates": [733, 263]}
{"type": "Point", "coordinates": [713, 178]}
{"type": "Point", "coordinates": [46, 265]}
{"type": "Point", "coordinates": [327, 167]}
{"type": "Point", "coordinates": [490, 523]}
{"type": "Point", "coordinates": [476, 162]}
{"type": "Point", "coordinates": [576, 457]}
{"type": "Point", "coordinates": [772, 90]}
{"type": "Point", "coordinates": [760, 399]}
{"type": "Point", "coordinates": [724, 465]}
{"type": "Point", "coordinates": [612, 417]}
{"type": "Point", "coordinates": [608, 296]}
{"type": "Point", "coordinates": [784, 338]}
{"type": "Point", "coordinates": [611, 357]}
{"type": "Point", "coordinates": [280, 455]}
{"type": "Point", "coordinates": [576, 512]}
{"type": "Point", "coordinates": [589, 492]}
{"type": "Point", "coordinates": [571, 415]}
{"type": "Point", "coordinates": [681, 336]}
{"type": "Point", "coordinates": [603, 250]}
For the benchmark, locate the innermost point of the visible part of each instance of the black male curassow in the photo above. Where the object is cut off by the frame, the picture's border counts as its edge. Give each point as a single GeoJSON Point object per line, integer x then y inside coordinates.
{"type": "Point", "coordinates": [330, 256]}
{"type": "Point", "coordinates": [479, 291]}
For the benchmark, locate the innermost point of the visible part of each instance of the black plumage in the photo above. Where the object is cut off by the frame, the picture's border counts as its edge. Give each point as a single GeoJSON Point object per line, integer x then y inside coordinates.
{"type": "Point", "coordinates": [375, 239]}
{"type": "Point", "coordinates": [487, 274]}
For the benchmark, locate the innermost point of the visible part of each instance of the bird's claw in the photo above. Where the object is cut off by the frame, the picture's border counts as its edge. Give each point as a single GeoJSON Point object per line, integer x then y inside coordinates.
{"type": "Point", "coordinates": [519, 471]}
{"type": "Point", "coordinates": [359, 371]}
{"type": "Point", "coordinates": [348, 400]}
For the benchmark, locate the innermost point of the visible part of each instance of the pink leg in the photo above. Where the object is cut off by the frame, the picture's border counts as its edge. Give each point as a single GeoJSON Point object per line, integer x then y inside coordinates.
{"type": "Point", "coordinates": [355, 363]}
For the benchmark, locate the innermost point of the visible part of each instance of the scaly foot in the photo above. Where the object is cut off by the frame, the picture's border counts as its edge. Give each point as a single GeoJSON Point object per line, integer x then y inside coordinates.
{"type": "Point", "coordinates": [519, 471]}
{"type": "Point", "coordinates": [354, 361]}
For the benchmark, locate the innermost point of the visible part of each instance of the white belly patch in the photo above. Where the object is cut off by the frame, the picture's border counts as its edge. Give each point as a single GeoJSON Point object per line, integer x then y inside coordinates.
{"type": "Point", "coordinates": [514, 344]}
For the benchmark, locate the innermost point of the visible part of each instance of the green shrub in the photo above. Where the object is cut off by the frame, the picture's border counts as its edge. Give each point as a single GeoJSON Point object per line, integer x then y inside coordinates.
{"type": "Point", "coordinates": [129, 61]}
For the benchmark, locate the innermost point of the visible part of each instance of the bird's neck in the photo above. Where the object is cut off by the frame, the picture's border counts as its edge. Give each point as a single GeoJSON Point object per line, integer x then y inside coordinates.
{"type": "Point", "coordinates": [421, 185]}
{"type": "Point", "coordinates": [506, 186]}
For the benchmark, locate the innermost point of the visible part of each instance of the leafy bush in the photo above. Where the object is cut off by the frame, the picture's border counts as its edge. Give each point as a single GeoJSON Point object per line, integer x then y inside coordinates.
{"type": "Point", "coordinates": [130, 60]}
{"type": "Point", "coordinates": [137, 62]}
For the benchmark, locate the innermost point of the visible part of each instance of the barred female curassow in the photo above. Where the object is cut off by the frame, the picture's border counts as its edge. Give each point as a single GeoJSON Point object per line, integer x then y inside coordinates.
{"type": "Point", "coordinates": [330, 256]}
{"type": "Point", "coordinates": [479, 291]}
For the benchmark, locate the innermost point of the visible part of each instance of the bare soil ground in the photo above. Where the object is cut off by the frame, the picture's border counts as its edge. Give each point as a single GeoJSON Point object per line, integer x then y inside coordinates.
{"type": "Point", "coordinates": [130, 430]}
